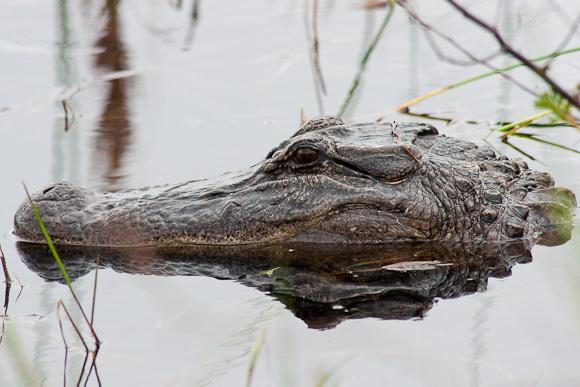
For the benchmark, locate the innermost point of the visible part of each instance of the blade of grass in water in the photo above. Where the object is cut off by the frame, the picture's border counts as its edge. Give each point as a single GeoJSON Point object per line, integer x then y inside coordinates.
{"type": "Point", "coordinates": [319, 87]}
{"type": "Point", "coordinates": [365, 59]}
{"type": "Point", "coordinates": [329, 375]}
{"type": "Point", "coordinates": [513, 127]}
{"type": "Point", "coordinates": [325, 378]}
{"type": "Point", "coordinates": [60, 327]}
{"type": "Point", "coordinates": [48, 240]}
{"type": "Point", "coordinates": [56, 257]}
{"type": "Point", "coordinates": [448, 120]}
{"type": "Point", "coordinates": [97, 263]}
{"type": "Point", "coordinates": [546, 142]}
{"type": "Point", "coordinates": [520, 151]}
{"type": "Point", "coordinates": [466, 81]}
{"type": "Point", "coordinates": [256, 350]}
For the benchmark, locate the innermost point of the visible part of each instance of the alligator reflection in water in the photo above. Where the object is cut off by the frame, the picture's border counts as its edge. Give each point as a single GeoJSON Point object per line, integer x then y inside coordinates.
{"type": "Point", "coordinates": [321, 284]}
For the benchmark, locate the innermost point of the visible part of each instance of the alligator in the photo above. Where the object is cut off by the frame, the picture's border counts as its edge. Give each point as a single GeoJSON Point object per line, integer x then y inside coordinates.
{"type": "Point", "coordinates": [331, 182]}
{"type": "Point", "coordinates": [321, 284]}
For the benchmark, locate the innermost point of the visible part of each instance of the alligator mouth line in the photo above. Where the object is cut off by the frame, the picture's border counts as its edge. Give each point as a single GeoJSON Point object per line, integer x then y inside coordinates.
{"type": "Point", "coordinates": [297, 227]}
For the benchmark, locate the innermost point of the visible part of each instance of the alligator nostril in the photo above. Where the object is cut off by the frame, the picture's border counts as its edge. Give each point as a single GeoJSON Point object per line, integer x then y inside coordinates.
{"type": "Point", "coordinates": [47, 190]}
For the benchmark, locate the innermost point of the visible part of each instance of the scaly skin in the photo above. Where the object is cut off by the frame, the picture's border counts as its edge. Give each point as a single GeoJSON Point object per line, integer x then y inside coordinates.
{"type": "Point", "coordinates": [331, 182]}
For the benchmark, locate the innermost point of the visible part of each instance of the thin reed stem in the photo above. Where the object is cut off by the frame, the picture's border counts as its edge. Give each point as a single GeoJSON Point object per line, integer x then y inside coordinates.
{"type": "Point", "coordinates": [60, 264]}
{"type": "Point", "coordinates": [440, 90]}
{"type": "Point", "coordinates": [365, 59]}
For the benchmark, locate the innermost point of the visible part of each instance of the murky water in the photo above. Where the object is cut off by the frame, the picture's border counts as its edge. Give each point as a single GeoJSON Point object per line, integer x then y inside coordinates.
{"type": "Point", "coordinates": [155, 95]}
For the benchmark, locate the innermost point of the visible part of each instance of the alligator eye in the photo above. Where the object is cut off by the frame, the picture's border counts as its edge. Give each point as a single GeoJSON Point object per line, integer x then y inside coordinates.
{"type": "Point", "coordinates": [306, 155]}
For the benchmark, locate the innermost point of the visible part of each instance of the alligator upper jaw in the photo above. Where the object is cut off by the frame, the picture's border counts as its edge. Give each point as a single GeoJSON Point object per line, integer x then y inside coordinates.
{"type": "Point", "coordinates": [236, 209]}
{"type": "Point", "coordinates": [250, 208]}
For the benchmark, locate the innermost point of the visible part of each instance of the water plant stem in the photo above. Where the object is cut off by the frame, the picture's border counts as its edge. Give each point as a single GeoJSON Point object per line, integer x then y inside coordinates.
{"type": "Point", "coordinates": [316, 46]}
{"type": "Point", "coordinates": [405, 106]}
{"type": "Point", "coordinates": [513, 127]}
{"type": "Point", "coordinates": [531, 137]}
{"type": "Point", "coordinates": [97, 263]}
{"type": "Point", "coordinates": [365, 59]}
{"type": "Point", "coordinates": [256, 350]}
{"type": "Point", "coordinates": [7, 278]}
{"type": "Point", "coordinates": [60, 264]}
{"type": "Point", "coordinates": [63, 340]}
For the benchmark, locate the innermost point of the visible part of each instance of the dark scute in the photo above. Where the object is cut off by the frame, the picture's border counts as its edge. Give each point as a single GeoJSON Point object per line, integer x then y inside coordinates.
{"type": "Point", "coordinates": [488, 215]}
{"type": "Point", "coordinates": [463, 185]}
{"type": "Point", "coordinates": [493, 196]}
{"type": "Point", "coordinates": [521, 211]}
{"type": "Point", "coordinates": [514, 229]}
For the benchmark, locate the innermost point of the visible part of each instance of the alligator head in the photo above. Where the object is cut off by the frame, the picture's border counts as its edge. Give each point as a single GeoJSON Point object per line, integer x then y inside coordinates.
{"type": "Point", "coordinates": [330, 182]}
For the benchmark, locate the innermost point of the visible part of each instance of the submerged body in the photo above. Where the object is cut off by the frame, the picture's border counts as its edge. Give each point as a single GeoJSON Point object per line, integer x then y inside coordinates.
{"type": "Point", "coordinates": [330, 182]}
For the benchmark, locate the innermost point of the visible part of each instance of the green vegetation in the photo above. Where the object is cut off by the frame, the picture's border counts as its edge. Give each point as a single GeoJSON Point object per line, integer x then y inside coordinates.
{"type": "Point", "coordinates": [60, 264]}
{"type": "Point", "coordinates": [60, 303]}
{"type": "Point", "coordinates": [255, 354]}
{"type": "Point", "coordinates": [440, 90]}
{"type": "Point", "coordinates": [513, 127]}
{"type": "Point", "coordinates": [49, 241]}
{"type": "Point", "coordinates": [558, 106]}
{"type": "Point", "coordinates": [365, 59]}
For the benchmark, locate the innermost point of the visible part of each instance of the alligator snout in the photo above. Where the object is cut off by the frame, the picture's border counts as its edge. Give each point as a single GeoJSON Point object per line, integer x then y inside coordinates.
{"type": "Point", "coordinates": [60, 206]}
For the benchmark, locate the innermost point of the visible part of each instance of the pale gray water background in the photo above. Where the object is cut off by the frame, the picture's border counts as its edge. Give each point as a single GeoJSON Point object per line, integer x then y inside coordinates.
{"type": "Point", "coordinates": [220, 103]}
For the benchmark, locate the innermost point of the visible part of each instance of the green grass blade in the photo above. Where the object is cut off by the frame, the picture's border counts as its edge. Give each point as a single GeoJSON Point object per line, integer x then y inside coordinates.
{"type": "Point", "coordinates": [56, 257]}
{"type": "Point", "coordinates": [512, 127]}
{"type": "Point", "coordinates": [404, 106]}
{"type": "Point", "coordinates": [256, 350]}
{"type": "Point", "coordinates": [328, 376]}
{"type": "Point", "coordinates": [514, 66]}
{"type": "Point", "coordinates": [546, 142]}
{"type": "Point", "coordinates": [48, 239]}
{"type": "Point", "coordinates": [520, 151]}
{"type": "Point", "coordinates": [364, 61]}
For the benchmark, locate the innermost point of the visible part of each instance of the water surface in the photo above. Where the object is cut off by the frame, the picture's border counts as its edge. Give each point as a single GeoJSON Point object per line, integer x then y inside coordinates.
{"type": "Point", "coordinates": [158, 96]}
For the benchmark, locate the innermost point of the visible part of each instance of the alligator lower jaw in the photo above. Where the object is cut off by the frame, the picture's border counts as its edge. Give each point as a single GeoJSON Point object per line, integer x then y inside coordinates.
{"type": "Point", "coordinates": [160, 241]}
